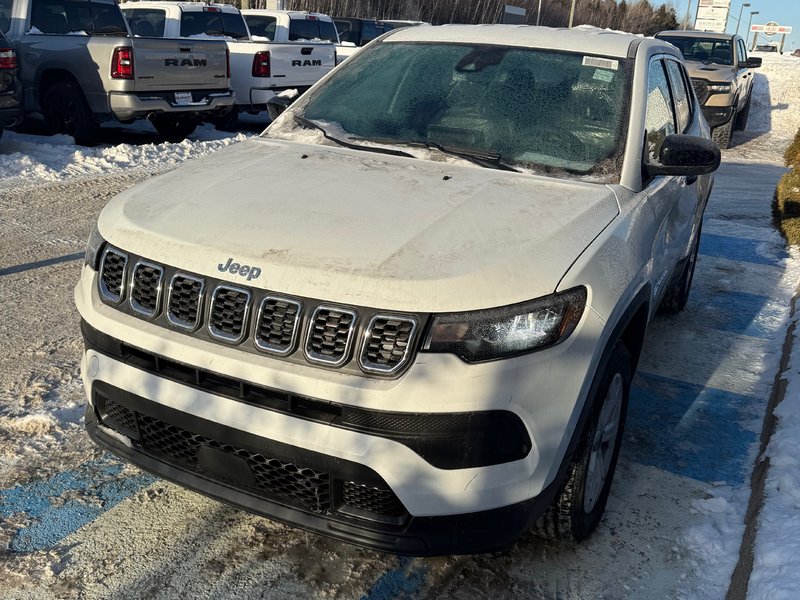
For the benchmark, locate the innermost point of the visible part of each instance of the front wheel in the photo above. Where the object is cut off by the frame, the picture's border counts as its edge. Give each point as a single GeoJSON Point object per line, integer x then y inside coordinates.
{"type": "Point", "coordinates": [722, 135]}
{"type": "Point", "coordinates": [65, 111]}
{"type": "Point", "coordinates": [581, 502]}
{"type": "Point", "coordinates": [174, 128]}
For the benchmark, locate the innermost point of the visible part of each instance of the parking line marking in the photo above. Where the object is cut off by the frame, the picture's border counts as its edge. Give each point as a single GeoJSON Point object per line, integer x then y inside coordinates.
{"type": "Point", "coordinates": [743, 313]}
{"type": "Point", "coordinates": [753, 251]}
{"type": "Point", "coordinates": [691, 430]}
{"type": "Point", "coordinates": [41, 263]}
{"type": "Point", "coordinates": [61, 505]}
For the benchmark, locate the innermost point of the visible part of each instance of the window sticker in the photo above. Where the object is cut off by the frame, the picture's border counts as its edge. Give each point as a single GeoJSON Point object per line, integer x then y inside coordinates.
{"type": "Point", "coordinates": [600, 63]}
{"type": "Point", "coordinates": [603, 75]}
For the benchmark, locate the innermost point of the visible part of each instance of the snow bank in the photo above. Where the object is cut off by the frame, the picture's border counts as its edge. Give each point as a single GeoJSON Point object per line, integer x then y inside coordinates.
{"type": "Point", "coordinates": [56, 158]}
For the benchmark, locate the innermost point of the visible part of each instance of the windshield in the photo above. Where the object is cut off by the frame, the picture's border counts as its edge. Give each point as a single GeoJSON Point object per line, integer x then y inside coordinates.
{"type": "Point", "coordinates": [702, 50]}
{"type": "Point", "coordinates": [537, 109]}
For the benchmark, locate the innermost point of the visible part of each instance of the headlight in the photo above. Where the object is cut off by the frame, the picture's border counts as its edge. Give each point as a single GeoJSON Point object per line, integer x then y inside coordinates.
{"type": "Point", "coordinates": [93, 248]}
{"type": "Point", "coordinates": [720, 87]}
{"type": "Point", "coordinates": [508, 331]}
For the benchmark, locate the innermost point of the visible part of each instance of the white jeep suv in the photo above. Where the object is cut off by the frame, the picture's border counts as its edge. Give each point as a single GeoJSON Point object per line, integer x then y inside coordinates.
{"type": "Point", "coordinates": [408, 314]}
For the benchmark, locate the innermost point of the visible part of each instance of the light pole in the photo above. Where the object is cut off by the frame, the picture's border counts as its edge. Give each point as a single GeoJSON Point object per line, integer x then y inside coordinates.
{"type": "Point", "coordinates": [539, 13]}
{"type": "Point", "coordinates": [750, 22]}
{"type": "Point", "coordinates": [572, 13]}
{"type": "Point", "coordinates": [739, 20]}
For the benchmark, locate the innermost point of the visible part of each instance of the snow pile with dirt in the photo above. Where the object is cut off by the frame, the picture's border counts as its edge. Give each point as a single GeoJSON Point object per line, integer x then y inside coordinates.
{"type": "Point", "coordinates": [56, 158]}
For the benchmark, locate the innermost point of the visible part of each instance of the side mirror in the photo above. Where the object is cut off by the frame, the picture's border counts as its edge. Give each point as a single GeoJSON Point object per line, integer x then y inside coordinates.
{"type": "Point", "coordinates": [753, 62]}
{"type": "Point", "coordinates": [277, 104]}
{"type": "Point", "coordinates": [687, 155]}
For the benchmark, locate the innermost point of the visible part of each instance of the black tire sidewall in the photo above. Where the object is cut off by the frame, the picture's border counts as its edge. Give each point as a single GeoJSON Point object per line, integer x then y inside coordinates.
{"type": "Point", "coordinates": [84, 128]}
{"type": "Point", "coordinates": [583, 522]}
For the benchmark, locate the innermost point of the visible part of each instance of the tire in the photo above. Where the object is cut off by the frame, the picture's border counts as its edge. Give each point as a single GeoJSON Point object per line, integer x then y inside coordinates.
{"type": "Point", "coordinates": [741, 118]}
{"type": "Point", "coordinates": [581, 502]}
{"type": "Point", "coordinates": [722, 135]}
{"type": "Point", "coordinates": [228, 122]}
{"type": "Point", "coordinates": [174, 128]}
{"type": "Point", "coordinates": [677, 294]}
{"type": "Point", "coordinates": [65, 111]}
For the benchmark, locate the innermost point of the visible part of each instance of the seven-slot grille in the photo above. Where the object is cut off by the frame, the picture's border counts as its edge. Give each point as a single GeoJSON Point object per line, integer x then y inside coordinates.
{"type": "Point", "coordinates": [183, 300]}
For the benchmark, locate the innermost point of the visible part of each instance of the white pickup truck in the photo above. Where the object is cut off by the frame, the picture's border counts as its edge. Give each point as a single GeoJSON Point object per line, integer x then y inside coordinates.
{"type": "Point", "coordinates": [80, 66]}
{"type": "Point", "coordinates": [296, 25]}
{"type": "Point", "coordinates": [259, 68]}
{"type": "Point", "coordinates": [409, 313]}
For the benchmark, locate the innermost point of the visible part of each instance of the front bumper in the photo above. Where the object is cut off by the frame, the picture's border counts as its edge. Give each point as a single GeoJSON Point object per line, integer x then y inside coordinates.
{"type": "Point", "coordinates": [333, 497]}
{"type": "Point", "coordinates": [717, 115]}
{"type": "Point", "coordinates": [129, 106]}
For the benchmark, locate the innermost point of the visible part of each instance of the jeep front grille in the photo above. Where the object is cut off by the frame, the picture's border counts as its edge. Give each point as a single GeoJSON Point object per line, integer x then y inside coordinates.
{"type": "Point", "coordinates": [112, 275]}
{"type": "Point", "coordinates": [329, 335]}
{"type": "Point", "coordinates": [258, 321]}
{"type": "Point", "coordinates": [228, 314]}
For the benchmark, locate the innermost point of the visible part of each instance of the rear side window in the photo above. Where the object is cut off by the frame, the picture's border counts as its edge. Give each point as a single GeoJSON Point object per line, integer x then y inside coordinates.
{"type": "Point", "coordinates": [73, 16]}
{"type": "Point", "coordinates": [680, 94]}
{"type": "Point", "coordinates": [311, 29]}
{"type": "Point", "coordinates": [660, 121]}
{"type": "Point", "coordinates": [346, 31]}
{"type": "Point", "coordinates": [369, 31]}
{"type": "Point", "coordinates": [213, 22]}
{"type": "Point", "coordinates": [146, 22]}
{"type": "Point", "coordinates": [261, 26]}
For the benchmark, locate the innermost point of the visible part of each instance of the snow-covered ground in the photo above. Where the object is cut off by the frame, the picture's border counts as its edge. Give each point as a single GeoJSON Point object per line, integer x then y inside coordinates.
{"type": "Point", "coordinates": [39, 418]}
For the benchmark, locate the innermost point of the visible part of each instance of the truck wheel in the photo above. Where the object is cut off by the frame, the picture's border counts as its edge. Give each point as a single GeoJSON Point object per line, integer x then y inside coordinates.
{"type": "Point", "coordinates": [722, 135]}
{"type": "Point", "coordinates": [577, 510]}
{"type": "Point", "coordinates": [741, 118]}
{"type": "Point", "coordinates": [65, 111]}
{"type": "Point", "coordinates": [174, 128]}
{"type": "Point", "coordinates": [228, 122]}
{"type": "Point", "coordinates": [677, 294]}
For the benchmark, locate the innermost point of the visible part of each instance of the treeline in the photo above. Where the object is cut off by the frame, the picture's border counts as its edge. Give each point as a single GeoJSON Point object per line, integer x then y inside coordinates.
{"type": "Point", "coordinates": [635, 16]}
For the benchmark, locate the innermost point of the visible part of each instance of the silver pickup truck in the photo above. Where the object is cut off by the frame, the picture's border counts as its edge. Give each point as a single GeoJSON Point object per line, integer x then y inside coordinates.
{"type": "Point", "coordinates": [80, 66]}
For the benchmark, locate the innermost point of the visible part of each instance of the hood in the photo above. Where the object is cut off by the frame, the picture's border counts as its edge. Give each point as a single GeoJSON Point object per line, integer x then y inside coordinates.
{"type": "Point", "coordinates": [361, 228]}
{"type": "Point", "coordinates": [710, 71]}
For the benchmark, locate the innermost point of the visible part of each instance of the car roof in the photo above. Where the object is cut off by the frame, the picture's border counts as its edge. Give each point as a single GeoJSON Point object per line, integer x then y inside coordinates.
{"type": "Point", "coordinates": [585, 39]}
{"type": "Point", "coordinates": [709, 35]}
{"type": "Point", "coordinates": [184, 6]}
{"type": "Point", "coordinates": [292, 14]}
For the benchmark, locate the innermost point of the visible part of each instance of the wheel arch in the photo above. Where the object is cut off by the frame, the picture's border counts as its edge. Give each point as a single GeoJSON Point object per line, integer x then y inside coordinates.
{"type": "Point", "coordinates": [51, 76]}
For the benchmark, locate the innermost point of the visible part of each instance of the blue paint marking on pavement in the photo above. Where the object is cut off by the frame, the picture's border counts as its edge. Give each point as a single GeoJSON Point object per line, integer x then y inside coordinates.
{"type": "Point", "coordinates": [746, 314]}
{"type": "Point", "coordinates": [691, 430]}
{"type": "Point", "coordinates": [66, 502]}
{"type": "Point", "coordinates": [752, 251]}
{"type": "Point", "coordinates": [404, 581]}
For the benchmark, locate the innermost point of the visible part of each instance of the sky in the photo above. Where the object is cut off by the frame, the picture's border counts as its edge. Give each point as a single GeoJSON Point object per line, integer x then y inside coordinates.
{"type": "Point", "coordinates": [784, 12]}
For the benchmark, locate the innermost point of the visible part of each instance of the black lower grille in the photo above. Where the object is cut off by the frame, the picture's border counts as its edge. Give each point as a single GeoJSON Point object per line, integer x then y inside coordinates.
{"type": "Point", "coordinates": [279, 480]}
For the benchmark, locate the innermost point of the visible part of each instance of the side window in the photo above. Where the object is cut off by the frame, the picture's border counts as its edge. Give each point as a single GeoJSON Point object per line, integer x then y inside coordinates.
{"type": "Point", "coordinates": [660, 121]}
{"type": "Point", "coordinates": [369, 31]}
{"type": "Point", "coordinates": [680, 95]}
{"type": "Point", "coordinates": [742, 51]}
{"type": "Point", "coordinates": [261, 26]}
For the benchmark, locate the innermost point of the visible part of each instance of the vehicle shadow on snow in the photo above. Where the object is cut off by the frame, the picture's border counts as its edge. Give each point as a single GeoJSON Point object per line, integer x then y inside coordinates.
{"type": "Point", "coordinates": [760, 120]}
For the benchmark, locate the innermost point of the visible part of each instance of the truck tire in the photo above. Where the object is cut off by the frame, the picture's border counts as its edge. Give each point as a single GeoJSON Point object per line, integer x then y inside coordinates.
{"type": "Point", "coordinates": [677, 294]}
{"type": "Point", "coordinates": [228, 122]}
{"type": "Point", "coordinates": [174, 128]}
{"type": "Point", "coordinates": [65, 111]}
{"type": "Point", "coordinates": [741, 118]}
{"type": "Point", "coordinates": [722, 135]}
{"type": "Point", "coordinates": [580, 504]}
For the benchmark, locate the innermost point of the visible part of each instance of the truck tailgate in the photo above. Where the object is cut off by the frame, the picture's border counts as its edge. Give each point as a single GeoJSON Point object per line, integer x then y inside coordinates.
{"type": "Point", "coordinates": [292, 64]}
{"type": "Point", "coordinates": [179, 64]}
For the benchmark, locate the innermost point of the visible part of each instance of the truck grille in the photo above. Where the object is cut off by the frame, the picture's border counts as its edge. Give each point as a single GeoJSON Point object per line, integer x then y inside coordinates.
{"type": "Point", "coordinates": [700, 90]}
{"type": "Point", "coordinates": [221, 312]}
{"type": "Point", "coordinates": [280, 480]}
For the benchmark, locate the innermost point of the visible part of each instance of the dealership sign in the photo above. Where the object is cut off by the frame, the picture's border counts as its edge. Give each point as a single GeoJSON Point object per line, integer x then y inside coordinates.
{"type": "Point", "coordinates": [712, 15]}
{"type": "Point", "coordinates": [771, 28]}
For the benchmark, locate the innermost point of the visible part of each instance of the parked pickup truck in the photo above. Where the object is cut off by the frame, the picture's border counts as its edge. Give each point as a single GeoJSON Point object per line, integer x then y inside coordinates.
{"type": "Point", "coordinates": [259, 69]}
{"type": "Point", "coordinates": [408, 315]}
{"type": "Point", "coordinates": [10, 108]}
{"type": "Point", "coordinates": [722, 75]}
{"type": "Point", "coordinates": [295, 26]}
{"type": "Point", "coordinates": [80, 67]}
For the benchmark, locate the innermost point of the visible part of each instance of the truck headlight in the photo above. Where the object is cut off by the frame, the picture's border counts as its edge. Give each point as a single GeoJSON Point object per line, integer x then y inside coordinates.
{"type": "Point", "coordinates": [93, 249]}
{"type": "Point", "coordinates": [721, 88]}
{"type": "Point", "coordinates": [508, 331]}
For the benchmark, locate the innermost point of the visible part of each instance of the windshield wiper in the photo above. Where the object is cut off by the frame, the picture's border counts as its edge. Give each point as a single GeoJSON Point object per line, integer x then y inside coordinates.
{"type": "Point", "coordinates": [490, 160]}
{"type": "Point", "coordinates": [308, 123]}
